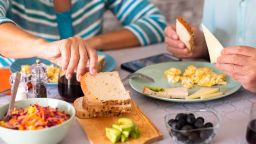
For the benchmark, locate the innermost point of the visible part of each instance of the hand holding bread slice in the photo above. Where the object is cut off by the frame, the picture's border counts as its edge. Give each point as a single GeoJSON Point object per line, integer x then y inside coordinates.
{"type": "Point", "coordinates": [185, 33]}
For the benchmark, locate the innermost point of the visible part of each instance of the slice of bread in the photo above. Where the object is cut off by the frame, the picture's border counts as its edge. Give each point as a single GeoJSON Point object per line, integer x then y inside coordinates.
{"type": "Point", "coordinates": [106, 88]}
{"type": "Point", "coordinates": [185, 33]}
{"type": "Point", "coordinates": [83, 113]}
{"type": "Point", "coordinates": [99, 107]}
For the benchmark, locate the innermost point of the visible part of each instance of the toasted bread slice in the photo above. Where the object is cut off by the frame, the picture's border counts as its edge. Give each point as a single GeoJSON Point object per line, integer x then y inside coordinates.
{"type": "Point", "coordinates": [106, 88]}
{"type": "Point", "coordinates": [185, 33]}
{"type": "Point", "coordinates": [82, 113]}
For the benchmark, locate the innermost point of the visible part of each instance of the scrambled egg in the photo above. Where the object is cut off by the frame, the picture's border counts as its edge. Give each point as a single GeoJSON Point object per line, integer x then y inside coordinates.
{"type": "Point", "coordinates": [202, 76]}
{"type": "Point", "coordinates": [52, 72]}
{"type": "Point", "coordinates": [173, 75]}
{"type": "Point", "coordinates": [25, 69]}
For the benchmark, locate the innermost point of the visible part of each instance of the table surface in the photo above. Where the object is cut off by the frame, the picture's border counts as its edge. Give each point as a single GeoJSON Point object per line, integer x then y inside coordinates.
{"type": "Point", "coordinates": [233, 110]}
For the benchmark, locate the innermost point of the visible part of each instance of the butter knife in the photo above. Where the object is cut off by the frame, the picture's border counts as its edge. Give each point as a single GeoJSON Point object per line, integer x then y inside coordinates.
{"type": "Point", "coordinates": [13, 96]}
{"type": "Point", "coordinates": [213, 44]}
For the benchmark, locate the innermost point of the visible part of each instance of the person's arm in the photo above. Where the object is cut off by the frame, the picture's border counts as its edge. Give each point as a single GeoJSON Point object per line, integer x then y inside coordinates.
{"type": "Point", "coordinates": [113, 40]}
{"type": "Point", "coordinates": [71, 54]}
{"type": "Point", "coordinates": [143, 25]}
{"type": "Point", "coordinates": [16, 43]}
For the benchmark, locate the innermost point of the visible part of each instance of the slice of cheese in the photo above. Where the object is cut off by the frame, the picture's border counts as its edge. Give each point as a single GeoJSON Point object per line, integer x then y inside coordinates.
{"type": "Point", "coordinates": [202, 92]}
{"type": "Point", "coordinates": [214, 46]}
{"type": "Point", "coordinates": [211, 95]}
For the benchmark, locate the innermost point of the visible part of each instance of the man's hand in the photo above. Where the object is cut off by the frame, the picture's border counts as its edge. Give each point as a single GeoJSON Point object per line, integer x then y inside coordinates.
{"type": "Point", "coordinates": [71, 54]}
{"type": "Point", "coordinates": [240, 63]}
{"type": "Point", "coordinates": [178, 48]}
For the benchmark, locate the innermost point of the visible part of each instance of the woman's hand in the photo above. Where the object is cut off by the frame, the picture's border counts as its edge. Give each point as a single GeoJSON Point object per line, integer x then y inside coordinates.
{"type": "Point", "coordinates": [179, 49]}
{"type": "Point", "coordinates": [240, 63]}
{"type": "Point", "coordinates": [71, 54]}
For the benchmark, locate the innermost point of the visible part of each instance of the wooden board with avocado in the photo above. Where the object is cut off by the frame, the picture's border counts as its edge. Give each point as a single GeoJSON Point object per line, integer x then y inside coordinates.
{"type": "Point", "coordinates": [95, 128]}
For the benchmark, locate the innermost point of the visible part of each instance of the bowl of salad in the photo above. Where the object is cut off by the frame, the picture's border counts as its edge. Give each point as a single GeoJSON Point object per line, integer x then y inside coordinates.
{"type": "Point", "coordinates": [36, 121]}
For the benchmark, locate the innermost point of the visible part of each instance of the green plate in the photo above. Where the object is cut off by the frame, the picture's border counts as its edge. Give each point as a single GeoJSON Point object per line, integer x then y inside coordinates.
{"type": "Point", "coordinates": [157, 73]}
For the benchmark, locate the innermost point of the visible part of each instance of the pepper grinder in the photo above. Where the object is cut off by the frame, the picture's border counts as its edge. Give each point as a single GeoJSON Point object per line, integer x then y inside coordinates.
{"type": "Point", "coordinates": [39, 79]}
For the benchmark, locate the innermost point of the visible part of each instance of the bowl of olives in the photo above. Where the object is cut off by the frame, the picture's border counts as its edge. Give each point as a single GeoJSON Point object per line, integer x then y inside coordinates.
{"type": "Point", "coordinates": [192, 126]}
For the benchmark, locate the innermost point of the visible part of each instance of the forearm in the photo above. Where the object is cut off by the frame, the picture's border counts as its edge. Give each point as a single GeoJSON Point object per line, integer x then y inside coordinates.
{"type": "Point", "coordinates": [16, 43]}
{"type": "Point", "coordinates": [113, 40]}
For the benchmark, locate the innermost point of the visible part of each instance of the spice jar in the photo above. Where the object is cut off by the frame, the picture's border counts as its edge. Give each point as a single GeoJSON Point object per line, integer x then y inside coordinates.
{"type": "Point", "coordinates": [39, 79]}
{"type": "Point", "coordinates": [22, 92]}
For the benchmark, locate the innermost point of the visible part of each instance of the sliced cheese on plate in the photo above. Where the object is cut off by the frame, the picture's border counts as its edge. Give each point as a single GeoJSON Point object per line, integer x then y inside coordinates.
{"type": "Point", "coordinates": [209, 96]}
{"type": "Point", "coordinates": [202, 91]}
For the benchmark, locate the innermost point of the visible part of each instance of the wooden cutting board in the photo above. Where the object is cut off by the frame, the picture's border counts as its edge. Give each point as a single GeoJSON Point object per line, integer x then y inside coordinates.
{"type": "Point", "coordinates": [95, 128]}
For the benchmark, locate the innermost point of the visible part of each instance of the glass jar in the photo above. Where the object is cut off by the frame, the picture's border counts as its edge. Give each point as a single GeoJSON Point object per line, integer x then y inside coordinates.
{"type": "Point", "coordinates": [69, 90]}
{"type": "Point", "coordinates": [22, 92]}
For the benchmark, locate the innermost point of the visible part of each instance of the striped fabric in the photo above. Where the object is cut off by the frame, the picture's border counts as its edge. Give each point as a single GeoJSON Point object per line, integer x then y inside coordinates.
{"type": "Point", "coordinates": [38, 17]}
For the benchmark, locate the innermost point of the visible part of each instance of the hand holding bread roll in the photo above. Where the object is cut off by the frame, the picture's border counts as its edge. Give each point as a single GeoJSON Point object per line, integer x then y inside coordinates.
{"type": "Point", "coordinates": [185, 41]}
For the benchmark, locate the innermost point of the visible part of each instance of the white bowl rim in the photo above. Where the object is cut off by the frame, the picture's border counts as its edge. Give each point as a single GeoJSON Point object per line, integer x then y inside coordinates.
{"type": "Point", "coordinates": [44, 129]}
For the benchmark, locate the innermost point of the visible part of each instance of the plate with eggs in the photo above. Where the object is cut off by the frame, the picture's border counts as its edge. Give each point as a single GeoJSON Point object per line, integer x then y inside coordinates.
{"type": "Point", "coordinates": [186, 81]}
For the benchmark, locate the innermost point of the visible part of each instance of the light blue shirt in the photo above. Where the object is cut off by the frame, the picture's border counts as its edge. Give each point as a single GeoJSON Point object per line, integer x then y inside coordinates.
{"type": "Point", "coordinates": [233, 22]}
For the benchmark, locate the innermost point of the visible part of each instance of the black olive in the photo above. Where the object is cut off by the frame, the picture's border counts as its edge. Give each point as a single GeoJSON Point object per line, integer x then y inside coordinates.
{"type": "Point", "coordinates": [201, 118]}
{"type": "Point", "coordinates": [186, 130]}
{"type": "Point", "coordinates": [181, 137]}
{"type": "Point", "coordinates": [182, 122]}
{"type": "Point", "coordinates": [176, 125]}
{"type": "Point", "coordinates": [171, 121]}
{"type": "Point", "coordinates": [181, 116]}
{"type": "Point", "coordinates": [199, 123]}
{"type": "Point", "coordinates": [205, 134]}
{"type": "Point", "coordinates": [194, 136]}
{"type": "Point", "coordinates": [208, 125]}
{"type": "Point", "coordinates": [190, 118]}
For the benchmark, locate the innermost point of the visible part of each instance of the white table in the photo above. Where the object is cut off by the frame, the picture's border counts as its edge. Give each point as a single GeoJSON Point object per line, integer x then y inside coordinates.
{"type": "Point", "coordinates": [233, 110]}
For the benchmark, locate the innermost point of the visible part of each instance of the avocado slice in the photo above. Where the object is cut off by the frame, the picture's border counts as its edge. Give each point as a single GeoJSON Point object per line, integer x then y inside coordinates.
{"type": "Point", "coordinates": [126, 133]}
{"type": "Point", "coordinates": [116, 126]}
{"type": "Point", "coordinates": [113, 135]}
{"type": "Point", "coordinates": [124, 138]}
{"type": "Point", "coordinates": [125, 121]}
{"type": "Point", "coordinates": [123, 127]}
{"type": "Point", "coordinates": [155, 89]}
{"type": "Point", "coordinates": [135, 133]}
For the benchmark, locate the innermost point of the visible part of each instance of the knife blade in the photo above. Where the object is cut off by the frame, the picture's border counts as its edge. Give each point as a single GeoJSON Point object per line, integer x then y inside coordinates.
{"type": "Point", "coordinates": [138, 75]}
{"type": "Point", "coordinates": [213, 44]}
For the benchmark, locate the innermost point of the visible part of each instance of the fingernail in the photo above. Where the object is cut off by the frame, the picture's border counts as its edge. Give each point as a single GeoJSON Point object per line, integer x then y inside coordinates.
{"type": "Point", "coordinates": [78, 77]}
{"type": "Point", "coordinates": [68, 76]}
{"type": "Point", "coordinates": [93, 71]}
